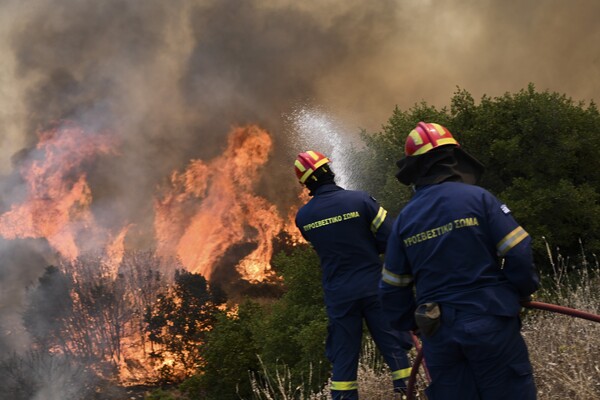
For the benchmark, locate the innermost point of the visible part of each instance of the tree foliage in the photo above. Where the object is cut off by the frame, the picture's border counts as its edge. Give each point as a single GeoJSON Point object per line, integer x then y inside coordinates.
{"type": "Point", "coordinates": [93, 312]}
{"type": "Point", "coordinates": [229, 355]}
{"type": "Point", "coordinates": [294, 331]}
{"type": "Point", "coordinates": [540, 151]}
{"type": "Point", "coordinates": [45, 320]}
{"type": "Point", "coordinates": [289, 331]}
{"type": "Point", "coordinates": [81, 309]}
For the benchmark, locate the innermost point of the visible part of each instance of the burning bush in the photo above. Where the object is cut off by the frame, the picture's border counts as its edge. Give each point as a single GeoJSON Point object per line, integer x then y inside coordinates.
{"type": "Point", "coordinates": [128, 325]}
{"type": "Point", "coordinates": [178, 323]}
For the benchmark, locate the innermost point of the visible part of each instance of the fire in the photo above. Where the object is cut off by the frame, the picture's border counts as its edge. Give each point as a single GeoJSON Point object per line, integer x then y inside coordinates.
{"type": "Point", "coordinates": [207, 211]}
{"type": "Point", "coordinates": [58, 199]}
{"type": "Point", "coordinates": [203, 212]}
{"type": "Point", "coordinates": [115, 250]}
{"type": "Point", "coordinates": [211, 207]}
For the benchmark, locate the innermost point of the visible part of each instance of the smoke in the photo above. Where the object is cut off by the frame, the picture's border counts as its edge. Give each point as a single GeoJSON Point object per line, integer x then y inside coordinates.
{"type": "Point", "coordinates": [20, 265]}
{"type": "Point", "coordinates": [170, 78]}
{"type": "Point", "coordinates": [173, 77]}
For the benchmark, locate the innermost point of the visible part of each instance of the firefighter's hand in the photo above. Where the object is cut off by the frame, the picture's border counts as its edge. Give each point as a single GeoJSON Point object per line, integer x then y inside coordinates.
{"type": "Point", "coordinates": [526, 299]}
{"type": "Point", "coordinates": [525, 310]}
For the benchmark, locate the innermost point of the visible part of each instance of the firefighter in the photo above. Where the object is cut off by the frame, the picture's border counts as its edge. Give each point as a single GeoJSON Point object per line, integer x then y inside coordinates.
{"type": "Point", "coordinates": [471, 264]}
{"type": "Point", "coordinates": [348, 229]}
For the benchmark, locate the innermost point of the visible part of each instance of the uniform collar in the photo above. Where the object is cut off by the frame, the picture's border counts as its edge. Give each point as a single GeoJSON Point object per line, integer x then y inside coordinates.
{"type": "Point", "coordinates": [329, 187]}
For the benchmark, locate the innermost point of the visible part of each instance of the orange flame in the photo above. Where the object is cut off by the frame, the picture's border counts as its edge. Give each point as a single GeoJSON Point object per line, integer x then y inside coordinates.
{"type": "Point", "coordinates": [57, 206]}
{"type": "Point", "coordinates": [205, 211]}
{"type": "Point", "coordinates": [202, 214]}
{"type": "Point", "coordinates": [211, 207]}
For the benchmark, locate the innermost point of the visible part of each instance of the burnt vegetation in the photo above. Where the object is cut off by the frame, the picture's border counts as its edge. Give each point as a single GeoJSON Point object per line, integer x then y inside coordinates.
{"type": "Point", "coordinates": [135, 324]}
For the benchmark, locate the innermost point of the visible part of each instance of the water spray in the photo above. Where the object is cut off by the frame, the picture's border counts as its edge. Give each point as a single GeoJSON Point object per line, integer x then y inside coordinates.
{"type": "Point", "coordinates": [315, 129]}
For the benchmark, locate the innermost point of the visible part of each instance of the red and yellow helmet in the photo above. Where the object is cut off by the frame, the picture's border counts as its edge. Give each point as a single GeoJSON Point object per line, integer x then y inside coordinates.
{"type": "Point", "coordinates": [427, 136]}
{"type": "Point", "coordinates": [307, 163]}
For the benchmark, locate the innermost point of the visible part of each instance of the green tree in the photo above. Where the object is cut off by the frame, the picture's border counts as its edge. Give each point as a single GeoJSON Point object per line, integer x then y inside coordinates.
{"type": "Point", "coordinates": [540, 151]}
{"type": "Point", "coordinates": [261, 338]}
{"type": "Point", "coordinates": [295, 329]}
{"type": "Point", "coordinates": [229, 356]}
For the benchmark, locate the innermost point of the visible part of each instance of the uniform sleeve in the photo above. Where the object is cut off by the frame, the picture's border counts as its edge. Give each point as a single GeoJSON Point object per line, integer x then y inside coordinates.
{"type": "Point", "coordinates": [300, 229]}
{"type": "Point", "coordinates": [513, 247]}
{"type": "Point", "coordinates": [396, 285]}
{"type": "Point", "coordinates": [380, 223]}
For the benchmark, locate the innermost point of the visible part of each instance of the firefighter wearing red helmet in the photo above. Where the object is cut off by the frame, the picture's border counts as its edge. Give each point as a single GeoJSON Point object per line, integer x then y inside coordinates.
{"type": "Point", "coordinates": [471, 264]}
{"type": "Point", "coordinates": [348, 229]}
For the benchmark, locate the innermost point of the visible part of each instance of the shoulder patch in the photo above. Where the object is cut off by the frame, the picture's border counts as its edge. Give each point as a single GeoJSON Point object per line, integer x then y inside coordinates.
{"type": "Point", "coordinates": [505, 209]}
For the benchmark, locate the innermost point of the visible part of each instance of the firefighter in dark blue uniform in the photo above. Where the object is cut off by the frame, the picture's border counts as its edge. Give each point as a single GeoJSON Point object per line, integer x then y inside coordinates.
{"type": "Point", "coordinates": [470, 263]}
{"type": "Point", "coordinates": [348, 230]}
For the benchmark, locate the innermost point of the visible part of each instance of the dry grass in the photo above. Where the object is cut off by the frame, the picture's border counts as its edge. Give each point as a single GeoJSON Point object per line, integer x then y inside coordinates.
{"type": "Point", "coordinates": [564, 351]}
{"type": "Point", "coordinates": [374, 381]}
{"type": "Point", "coordinates": [278, 386]}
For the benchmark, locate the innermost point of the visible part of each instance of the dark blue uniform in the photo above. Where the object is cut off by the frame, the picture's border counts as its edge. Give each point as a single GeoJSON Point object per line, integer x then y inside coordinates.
{"type": "Point", "coordinates": [348, 229]}
{"type": "Point", "coordinates": [464, 251]}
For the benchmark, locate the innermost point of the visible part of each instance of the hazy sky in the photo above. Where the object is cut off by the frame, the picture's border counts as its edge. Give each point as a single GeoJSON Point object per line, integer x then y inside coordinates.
{"type": "Point", "coordinates": [182, 70]}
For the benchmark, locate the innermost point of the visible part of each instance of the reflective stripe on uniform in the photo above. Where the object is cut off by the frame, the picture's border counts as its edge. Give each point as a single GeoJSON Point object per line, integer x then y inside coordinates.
{"type": "Point", "coordinates": [401, 373]}
{"type": "Point", "coordinates": [511, 240]}
{"type": "Point", "coordinates": [378, 220]}
{"type": "Point", "coordinates": [395, 279]}
{"type": "Point", "coordinates": [344, 385]}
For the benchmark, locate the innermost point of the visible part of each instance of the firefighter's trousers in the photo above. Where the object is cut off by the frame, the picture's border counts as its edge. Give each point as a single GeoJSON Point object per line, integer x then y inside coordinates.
{"type": "Point", "coordinates": [478, 357]}
{"type": "Point", "coordinates": [344, 342]}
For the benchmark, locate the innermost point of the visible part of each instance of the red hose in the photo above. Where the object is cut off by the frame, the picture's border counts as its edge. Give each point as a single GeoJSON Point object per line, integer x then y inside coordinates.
{"type": "Point", "coordinates": [412, 380]}
{"type": "Point", "coordinates": [561, 310]}
{"type": "Point", "coordinates": [528, 304]}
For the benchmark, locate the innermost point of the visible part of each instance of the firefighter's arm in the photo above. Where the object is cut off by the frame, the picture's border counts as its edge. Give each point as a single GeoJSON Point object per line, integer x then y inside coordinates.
{"type": "Point", "coordinates": [513, 247]}
{"type": "Point", "coordinates": [380, 224]}
{"type": "Point", "coordinates": [396, 287]}
{"type": "Point", "coordinates": [517, 261]}
{"type": "Point", "coordinates": [382, 234]}
{"type": "Point", "coordinates": [398, 305]}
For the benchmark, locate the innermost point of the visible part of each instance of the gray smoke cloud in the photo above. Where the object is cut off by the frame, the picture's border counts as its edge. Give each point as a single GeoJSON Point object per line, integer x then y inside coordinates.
{"type": "Point", "coordinates": [21, 263]}
{"type": "Point", "coordinates": [171, 77]}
